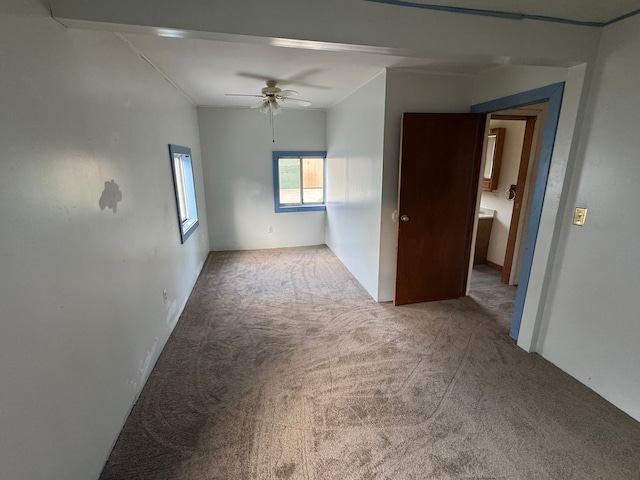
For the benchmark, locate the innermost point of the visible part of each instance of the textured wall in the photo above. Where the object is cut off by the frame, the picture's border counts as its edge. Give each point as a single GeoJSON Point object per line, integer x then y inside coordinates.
{"type": "Point", "coordinates": [355, 135]}
{"type": "Point", "coordinates": [89, 239]}
{"type": "Point", "coordinates": [592, 329]}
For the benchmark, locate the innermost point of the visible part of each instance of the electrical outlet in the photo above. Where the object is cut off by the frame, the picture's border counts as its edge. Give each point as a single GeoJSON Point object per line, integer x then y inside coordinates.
{"type": "Point", "coordinates": [164, 295]}
{"type": "Point", "coordinates": [270, 229]}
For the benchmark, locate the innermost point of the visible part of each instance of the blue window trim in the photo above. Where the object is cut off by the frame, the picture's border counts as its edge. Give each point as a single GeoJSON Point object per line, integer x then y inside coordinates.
{"type": "Point", "coordinates": [189, 226]}
{"type": "Point", "coordinates": [276, 154]}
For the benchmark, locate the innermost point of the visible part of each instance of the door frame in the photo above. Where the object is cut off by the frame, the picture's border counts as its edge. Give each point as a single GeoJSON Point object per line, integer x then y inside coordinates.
{"type": "Point", "coordinates": [553, 94]}
{"type": "Point", "coordinates": [521, 182]}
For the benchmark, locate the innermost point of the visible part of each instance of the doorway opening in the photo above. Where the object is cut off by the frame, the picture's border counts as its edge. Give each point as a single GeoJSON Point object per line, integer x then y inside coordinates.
{"type": "Point", "coordinates": [441, 197]}
{"type": "Point", "coordinates": [511, 159]}
{"type": "Point", "coordinates": [552, 94]}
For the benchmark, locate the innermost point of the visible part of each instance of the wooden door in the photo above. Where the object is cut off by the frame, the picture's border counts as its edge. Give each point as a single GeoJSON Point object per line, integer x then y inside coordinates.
{"type": "Point", "coordinates": [440, 162]}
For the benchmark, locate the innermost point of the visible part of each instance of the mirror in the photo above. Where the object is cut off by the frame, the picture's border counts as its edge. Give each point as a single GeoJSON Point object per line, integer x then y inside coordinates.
{"type": "Point", "coordinates": [495, 144]}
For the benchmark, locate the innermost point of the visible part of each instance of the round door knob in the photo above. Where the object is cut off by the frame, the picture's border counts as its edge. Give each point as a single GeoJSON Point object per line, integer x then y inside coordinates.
{"type": "Point", "coordinates": [404, 218]}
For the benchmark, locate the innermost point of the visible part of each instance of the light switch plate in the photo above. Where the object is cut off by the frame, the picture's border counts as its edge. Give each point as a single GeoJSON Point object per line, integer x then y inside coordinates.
{"type": "Point", "coordinates": [580, 216]}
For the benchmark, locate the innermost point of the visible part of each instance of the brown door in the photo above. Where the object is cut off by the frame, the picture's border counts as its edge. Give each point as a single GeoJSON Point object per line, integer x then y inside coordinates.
{"type": "Point", "coordinates": [439, 171]}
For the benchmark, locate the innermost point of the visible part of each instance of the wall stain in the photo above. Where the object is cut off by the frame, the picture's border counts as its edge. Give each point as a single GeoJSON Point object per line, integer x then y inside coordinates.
{"type": "Point", "coordinates": [110, 196]}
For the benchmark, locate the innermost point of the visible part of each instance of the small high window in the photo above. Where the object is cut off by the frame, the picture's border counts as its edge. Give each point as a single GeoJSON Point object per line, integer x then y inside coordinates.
{"type": "Point", "coordinates": [182, 169]}
{"type": "Point", "coordinates": [298, 181]}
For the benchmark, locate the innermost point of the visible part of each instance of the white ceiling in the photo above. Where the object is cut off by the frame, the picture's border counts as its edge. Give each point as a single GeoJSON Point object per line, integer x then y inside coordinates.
{"type": "Point", "coordinates": [206, 70]}
{"type": "Point", "coordinates": [601, 11]}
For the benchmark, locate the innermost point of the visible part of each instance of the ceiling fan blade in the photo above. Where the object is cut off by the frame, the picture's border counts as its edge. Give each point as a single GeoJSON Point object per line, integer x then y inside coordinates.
{"type": "Point", "coordinates": [296, 101]}
{"type": "Point", "coordinates": [287, 93]}
{"type": "Point", "coordinates": [302, 79]}
{"type": "Point", "coordinates": [242, 95]}
{"type": "Point", "coordinates": [257, 76]}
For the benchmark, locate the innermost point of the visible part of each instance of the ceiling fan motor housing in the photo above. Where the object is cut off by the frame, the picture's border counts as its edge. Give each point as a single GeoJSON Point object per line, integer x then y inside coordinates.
{"type": "Point", "coordinates": [271, 88]}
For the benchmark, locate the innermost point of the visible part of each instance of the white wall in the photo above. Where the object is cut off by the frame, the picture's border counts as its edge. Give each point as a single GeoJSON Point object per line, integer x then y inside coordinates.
{"type": "Point", "coordinates": [511, 79]}
{"type": "Point", "coordinates": [83, 319]}
{"type": "Point", "coordinates": [355, 135]}
{"type": "Point", "coordinates": [237, 164]}
{"type": "Point", "coordinates": [497, 200]}
{"type": "Point", "coordinates": [410, 92]}
{"type": "Point", "coordinates": [591, 325]}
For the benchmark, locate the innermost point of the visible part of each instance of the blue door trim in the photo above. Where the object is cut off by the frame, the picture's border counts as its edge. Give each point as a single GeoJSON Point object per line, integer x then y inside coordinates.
{"type": "Point", "coordinates": [552, 94]}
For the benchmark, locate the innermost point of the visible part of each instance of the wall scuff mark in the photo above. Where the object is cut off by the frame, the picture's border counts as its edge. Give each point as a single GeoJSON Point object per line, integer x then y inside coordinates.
{"type": "Point", "coordinates": [110, 196]}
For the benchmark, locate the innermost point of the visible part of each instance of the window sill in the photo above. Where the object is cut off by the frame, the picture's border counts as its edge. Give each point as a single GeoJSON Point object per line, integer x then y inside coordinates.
{"type": "Point", "coordinates": [188, 228]}
{"type": "Point", "coordinates": [300, 208]}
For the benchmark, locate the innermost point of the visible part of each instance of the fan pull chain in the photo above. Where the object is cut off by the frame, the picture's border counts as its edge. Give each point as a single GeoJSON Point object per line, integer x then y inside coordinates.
{"type": "Point", "coordinates": [273, 135]}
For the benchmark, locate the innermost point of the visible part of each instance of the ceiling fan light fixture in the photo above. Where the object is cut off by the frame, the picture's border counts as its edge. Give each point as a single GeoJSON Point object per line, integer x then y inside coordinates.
{"type": "Point", "coordinates": [271, 96]}
{"type": "Point", "coordinates": [275, 106]}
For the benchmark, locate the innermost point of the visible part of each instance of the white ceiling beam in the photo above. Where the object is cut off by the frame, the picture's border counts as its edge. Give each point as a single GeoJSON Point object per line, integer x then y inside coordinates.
{"type": "Point", "coordinates": [341, 25]}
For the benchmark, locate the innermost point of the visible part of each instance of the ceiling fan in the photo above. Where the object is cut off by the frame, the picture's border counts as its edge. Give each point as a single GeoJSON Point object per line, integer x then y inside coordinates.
{"type": "Point", "coordinates": [271, 98]}
{"type": "Point", "coordinates": [271, 95]}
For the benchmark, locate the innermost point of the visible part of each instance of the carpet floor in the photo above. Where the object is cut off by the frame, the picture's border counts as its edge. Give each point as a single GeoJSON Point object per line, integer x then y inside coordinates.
{"type": "Point", "coordinates": [492, 296]}
{"type": "Point", "coordinates": [282, 367]}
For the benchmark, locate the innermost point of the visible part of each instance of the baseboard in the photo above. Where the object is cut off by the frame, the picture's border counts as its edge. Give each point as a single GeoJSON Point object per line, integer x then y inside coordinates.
{"type": "Point", "coordinates": [494, 265]}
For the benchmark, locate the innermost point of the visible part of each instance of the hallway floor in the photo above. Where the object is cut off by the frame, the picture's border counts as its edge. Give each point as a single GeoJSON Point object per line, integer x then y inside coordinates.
{"type": "Point", "coordinates": [492, 296]}
{"type": "Point", "coordinates": [283, 368]}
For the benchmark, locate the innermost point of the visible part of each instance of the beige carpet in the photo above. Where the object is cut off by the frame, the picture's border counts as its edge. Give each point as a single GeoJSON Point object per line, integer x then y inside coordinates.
{"type": "Point", "coordinates": [493, 297]}
{"type": "Point", "coordinates": [282, 367]}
